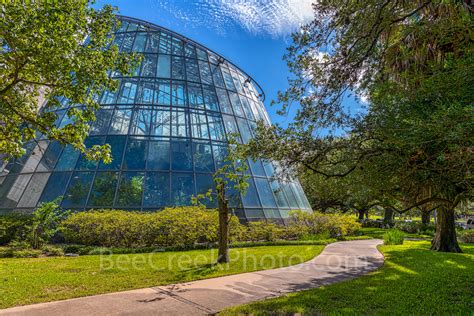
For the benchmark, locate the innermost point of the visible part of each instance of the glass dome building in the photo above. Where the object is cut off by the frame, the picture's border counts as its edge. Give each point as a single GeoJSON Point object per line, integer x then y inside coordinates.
{"type": "Point", "coordinates": [167, 126]}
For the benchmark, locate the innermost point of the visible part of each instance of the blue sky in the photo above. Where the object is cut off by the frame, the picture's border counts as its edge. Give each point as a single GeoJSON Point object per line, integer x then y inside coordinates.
{"type": "Point", "coordinates": [253, 34]}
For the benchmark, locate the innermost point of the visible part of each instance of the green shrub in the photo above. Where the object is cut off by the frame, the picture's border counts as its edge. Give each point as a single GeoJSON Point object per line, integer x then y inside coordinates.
{"type": "Point", "coordinates": [467, 235]}
{"type": "Point", "coordinates": [173, 227]}
{"type": "Point", "coordinates": [13, 226]}
{"type": "Point", "coordinates": [44, 224]}
{"type": "Point", "coordinates": [264, 231]}
{"type": "Point", "coordinates": [415, 227]}
{"type": "Point", "coordinates": [52, 251]}
{"type": "Point", "coordinates": [393, 237]}
{"type": "Point", "coordinates": [302, 224]}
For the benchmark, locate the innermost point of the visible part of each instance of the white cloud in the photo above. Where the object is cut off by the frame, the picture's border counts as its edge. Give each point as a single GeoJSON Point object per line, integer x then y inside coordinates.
{"type": "Point", "coordinates": [276, 18]}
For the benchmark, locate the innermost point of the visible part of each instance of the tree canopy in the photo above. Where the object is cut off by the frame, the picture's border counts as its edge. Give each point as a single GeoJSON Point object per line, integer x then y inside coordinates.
{"type": "Point", "coordinates": [410, 64]}
{"type": "Point", "coordinates": [52, 49]}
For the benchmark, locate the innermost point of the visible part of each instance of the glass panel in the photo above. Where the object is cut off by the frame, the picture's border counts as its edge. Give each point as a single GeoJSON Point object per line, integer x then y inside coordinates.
{"type": "Point", "coordinates": [157, 190]}
{"type": "Point", "coordinates": [224, 101]}
{"type": "Point", "coordinates": [78, 189]}
{"type": "Point", "coordinates": [164, 93]}
{"type": "Point", "coordinates": [220, 154]}
{"type": "Point", "coordinates": [250, 198]}
{"type": "Point", "coordinates": [178, 94]}
{"type": "Point", "coordinates": [199, 125]}
{"type": "Point", "coordinates": [256, 167]}
{"type": "Point", "coordinates": [182, 188]}
{"type": "Point", "coordinates": [117, 144]}
{"type": "Point", "coordinates": [102, 122]}
{"type": "Point", "coordinates": [204, 183]}
{"type": "Point", "coordinates": [33, 191]}
{"type": "Point", "coordinates": [141, 121]}
{"type": "Point", "coordinates": [128, 91]}
{"type": "Point", "coordinates": [181, 155]}
{"type": "Point", "coordinates": [201, 54]}
{"type": "Point", "coordinates": [289, 195]}
{"type": "Point", "coordinates": [234, 99]}
{"type": "Point", "coordinates": [132, 27]}
{"type": "Point", "coordinates": [203, 160]}
{"type": "Point", "coordinates": [268, 166]}
{"type": "Point", "coordinates": [161, 123]}
{"type": "Point", "coordinates": [164, 66]}
{"type": "Point", "coordinates": [146, 91]}
{"type": "Point", "coordinates": [230, 125]}
{"type": "Point", "coordinates": [192, 70]}
{"type": "Point", "coordinates": [83, 163]}
{"type": "Point", "coordinates": [246, 105]}
{"type": "Point", "coordinates": [179, 123]}
{"type": "Point", "coordinates": [139, 44]}
{"type": "Point", "coordinates": [216, 74]}
{"type": "Point", "coordinates": [158, 155]}
{"type": "Point", "coordinates": [195, 96]}
{"type": "Point", "coordinates": [120, 121]}
{"type": "Point", "coordinates": [103, 189]}
{"type": "Point", "coordinates": [127, 42]}
{"type": "Point", "coordinates": [228, 79]}
{"type": "Point", "coordinates": [279, 194]}
{"type": "Point", "coordinates": [108, 97]}
{"type": "Point", "coordinates": [50, 157]}
{"type": "Point", "coordinates": [272, 213]}
{"type": "Point", "coordinates": [265, 193]}
{"type": "Point", "coordinates": [35, 157]}
{"type": "Point", "coordinates": [298, 195]}
{"type": "Point", "coordinates": [190, 50]}
{"type": "Point", "coordinates": [210, 98]}
{"type": "Point", "coordinates": [130, 190]}
{"type": "Point", "coordinates": [135, 153]}
{"type": "Point", "coordinates": [12, 188]}
{"type": "Point", "coordinates": [152, 43]}
{"type": "Point", "coordinates": [56, 186]}
{"type": "Point", "coordinates": [216, 128]}
{"type": "Point", "coordinates": [178, 67]}
{"type": "Point", "coordinates": [68, 158]}
{"type": "Point", "coordinates": [254, 213]}
{"type": "Point", "coordinates": [237, 83]}
{"type": "Point", "coordinates": [206, 76]}
{"type": "Point", "coordinates": [123, 26]}
{"type": "Point", "coordinates": [244, 130]}
{"type": "Point", "coordinates": [177, 48]}
{"type": "Point", "coordinates": [165, 43]}
{"type": "Point", "coordinates": [148, 66]}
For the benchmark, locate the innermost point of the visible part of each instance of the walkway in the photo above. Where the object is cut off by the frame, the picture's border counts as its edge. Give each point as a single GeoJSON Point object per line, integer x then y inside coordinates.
{"type": "Point", "coordinates": [338, 261]}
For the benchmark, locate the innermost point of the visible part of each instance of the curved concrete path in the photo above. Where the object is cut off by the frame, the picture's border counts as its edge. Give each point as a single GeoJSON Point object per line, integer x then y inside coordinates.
{"type": "Point", "coordinates": [338, 261]}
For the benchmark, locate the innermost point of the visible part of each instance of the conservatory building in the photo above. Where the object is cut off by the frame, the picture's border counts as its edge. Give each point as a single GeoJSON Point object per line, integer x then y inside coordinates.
{"type": "Point", "coordinates": [167, 126]}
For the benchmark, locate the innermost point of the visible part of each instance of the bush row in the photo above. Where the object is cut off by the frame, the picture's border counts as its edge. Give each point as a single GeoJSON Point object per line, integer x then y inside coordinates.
{"type": "Point", "coordinates": [185, 226]}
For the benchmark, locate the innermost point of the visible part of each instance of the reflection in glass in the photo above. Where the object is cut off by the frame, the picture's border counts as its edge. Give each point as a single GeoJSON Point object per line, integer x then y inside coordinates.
{"type": "Point", "coordinates": [130, 189]}
{"type": "Point", "coordinates": [103, 189]}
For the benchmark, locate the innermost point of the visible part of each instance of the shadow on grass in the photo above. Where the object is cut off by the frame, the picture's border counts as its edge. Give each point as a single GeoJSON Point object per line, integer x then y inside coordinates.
{"type": "Point", "coordinates": [413, 280]}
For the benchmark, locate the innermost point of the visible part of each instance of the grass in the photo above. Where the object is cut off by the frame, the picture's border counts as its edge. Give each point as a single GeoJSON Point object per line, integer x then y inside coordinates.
{"type": "Point", "coordinates": [28, 281]}
{"type": "Point", "coordinates": [413, 280]}
{"type": "Point", "coordinates": [371, 232]}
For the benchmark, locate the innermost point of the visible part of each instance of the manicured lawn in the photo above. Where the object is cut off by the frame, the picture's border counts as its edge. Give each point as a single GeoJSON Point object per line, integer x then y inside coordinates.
{"type": "Point", "coordinates": [28, 281]}
{"type": "Point", "coordinates": [413, 280]}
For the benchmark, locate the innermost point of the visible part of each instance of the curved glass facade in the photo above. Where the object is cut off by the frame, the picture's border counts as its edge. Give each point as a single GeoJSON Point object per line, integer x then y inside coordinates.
{"type": "Point", "coordinates": [167, 126]}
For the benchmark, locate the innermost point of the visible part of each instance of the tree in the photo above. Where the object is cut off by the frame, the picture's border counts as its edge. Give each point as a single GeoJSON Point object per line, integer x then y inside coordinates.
{"type": "Point", "coordinates": [51, 49]}
{"type": "Point", "coordinates": [44, 223]}
{"type": "Point", "coordinates": [412, 63]}
{"type": "Point", "coordinates": [231, 181]}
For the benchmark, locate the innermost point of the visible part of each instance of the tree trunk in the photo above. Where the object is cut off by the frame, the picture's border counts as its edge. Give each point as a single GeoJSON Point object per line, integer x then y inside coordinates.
{"type": "Point", "coordinates": [445, 238]}
{"type": "Point", "coordinates": [361, 214]}
{"type": "Point", "coordinates": [388, 216]}
{"type": "Point", "coordinates": [223, 254]}
{"type": "Point", "coordinates": [425, 217]}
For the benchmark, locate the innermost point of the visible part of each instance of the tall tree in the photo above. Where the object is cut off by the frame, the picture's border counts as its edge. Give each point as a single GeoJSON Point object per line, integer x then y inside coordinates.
{"type": "Point", "coordinates": [50, 49]}
{"type": "Point", "coordinates": [411, 63]}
